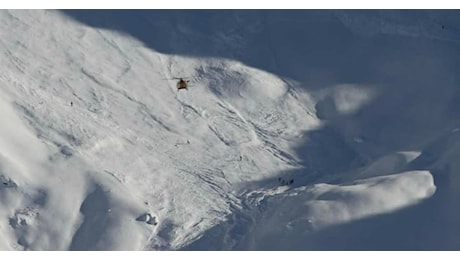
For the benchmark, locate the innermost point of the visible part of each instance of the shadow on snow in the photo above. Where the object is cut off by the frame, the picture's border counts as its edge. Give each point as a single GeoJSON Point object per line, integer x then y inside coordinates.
{"type": "Point", "coordinates": [415, 79]}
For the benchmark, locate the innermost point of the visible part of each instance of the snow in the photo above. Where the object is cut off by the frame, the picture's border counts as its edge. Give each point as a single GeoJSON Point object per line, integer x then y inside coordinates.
{"type": "Point", "coordinates": [42, 197]}
{"type": "Point", "coordinates": [343, 99]}
{"type": "Point", "coordinates": [298, 212]}
{"type": "Point", "coordinates": [287, 133]}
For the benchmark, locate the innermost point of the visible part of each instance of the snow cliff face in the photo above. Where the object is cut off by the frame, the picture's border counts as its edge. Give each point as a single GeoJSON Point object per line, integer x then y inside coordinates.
{"type": "Point", "coordinates": [296, 124]}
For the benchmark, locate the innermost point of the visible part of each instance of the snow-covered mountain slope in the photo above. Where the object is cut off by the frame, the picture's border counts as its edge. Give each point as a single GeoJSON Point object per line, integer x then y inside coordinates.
{"type": "Point", "coordinates": [295, 123]}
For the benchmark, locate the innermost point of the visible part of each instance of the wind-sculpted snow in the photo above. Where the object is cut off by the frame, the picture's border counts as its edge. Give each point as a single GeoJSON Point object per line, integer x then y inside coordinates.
{"type": "Point", "coordinates": [337, 204]}
{"type": "Point", "coordinates": [343, 100]}
{"type": "Point", "coordinates": [108, 222]}
{"type": "Point", "coordinates": [389, 164]}
{"type": "Point", "coordinates": [290, 217]}
{"type": "Point", "coordinates": [284, 218]}
{"type": "Point", "coordinates": [41, 197]}
{"type": "Point", "coordinates": [294, 124]}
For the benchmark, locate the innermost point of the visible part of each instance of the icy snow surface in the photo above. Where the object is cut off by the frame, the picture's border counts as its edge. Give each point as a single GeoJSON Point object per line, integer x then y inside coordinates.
{"type": "Point", "coordinates": [299, 130]}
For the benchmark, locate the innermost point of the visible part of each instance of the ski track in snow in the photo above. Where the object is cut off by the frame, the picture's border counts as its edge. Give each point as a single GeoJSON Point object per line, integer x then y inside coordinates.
{"type": "Point", "coordinates": [134, 164]}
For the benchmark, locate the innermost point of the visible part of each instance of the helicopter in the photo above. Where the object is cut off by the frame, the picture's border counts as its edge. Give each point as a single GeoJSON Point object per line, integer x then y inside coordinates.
{"type": "Point", "coordinates": [182, 84]}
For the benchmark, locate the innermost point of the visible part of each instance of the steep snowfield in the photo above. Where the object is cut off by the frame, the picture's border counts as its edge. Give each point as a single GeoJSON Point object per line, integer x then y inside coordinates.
{"type": "Point", "coordinates": [129, 135]}
{"type": "Point", "coordinates": [52, 201]}
{"type": "Point", "coordinates": [99, 151]}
